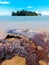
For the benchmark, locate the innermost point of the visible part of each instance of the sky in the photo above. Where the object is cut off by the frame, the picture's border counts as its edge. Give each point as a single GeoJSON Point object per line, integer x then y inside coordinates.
{"type": "Point", "coordinates": [39, 6]}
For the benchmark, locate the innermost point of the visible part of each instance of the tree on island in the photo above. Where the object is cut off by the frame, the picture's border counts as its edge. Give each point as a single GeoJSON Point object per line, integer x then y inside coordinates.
{"type": "Point", "coordinates": [25, 13]}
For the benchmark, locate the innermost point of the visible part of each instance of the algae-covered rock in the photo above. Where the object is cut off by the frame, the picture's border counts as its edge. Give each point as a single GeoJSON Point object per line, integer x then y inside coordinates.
{"type": "Point", "coordinates": [32, 50]}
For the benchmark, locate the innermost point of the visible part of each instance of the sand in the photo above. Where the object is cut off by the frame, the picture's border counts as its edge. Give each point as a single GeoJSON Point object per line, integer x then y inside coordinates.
{"type": "Point", "coordinates": [3, 34]}
{"type": "Point", "coordinates": [15, 61]}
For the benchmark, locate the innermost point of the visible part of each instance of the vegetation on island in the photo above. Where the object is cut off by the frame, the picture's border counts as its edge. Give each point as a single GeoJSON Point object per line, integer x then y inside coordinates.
{"type": "Point", "coordinates": [25, 13]}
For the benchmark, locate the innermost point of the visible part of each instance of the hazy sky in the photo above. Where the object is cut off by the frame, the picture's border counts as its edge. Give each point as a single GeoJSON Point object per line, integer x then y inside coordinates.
{"type": "Point", "coordinates": [7, 6]}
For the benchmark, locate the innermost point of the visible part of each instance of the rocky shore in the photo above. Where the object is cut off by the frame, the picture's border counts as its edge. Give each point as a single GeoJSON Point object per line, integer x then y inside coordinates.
{"type": "Point", "coordinates": [34, 47]}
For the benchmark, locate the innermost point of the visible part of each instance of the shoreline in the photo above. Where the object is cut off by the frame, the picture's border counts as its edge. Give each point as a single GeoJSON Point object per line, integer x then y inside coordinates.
{"type": "Point", "coordinates": [4, 33]}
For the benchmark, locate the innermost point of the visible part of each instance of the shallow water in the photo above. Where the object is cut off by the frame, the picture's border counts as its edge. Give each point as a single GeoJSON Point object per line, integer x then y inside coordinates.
{"type": "Point", "coordinates": [24, 22]}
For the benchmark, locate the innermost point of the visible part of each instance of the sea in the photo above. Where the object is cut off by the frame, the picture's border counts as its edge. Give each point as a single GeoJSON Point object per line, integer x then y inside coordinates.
{"type": "Point", "coordinates": [24, 22]}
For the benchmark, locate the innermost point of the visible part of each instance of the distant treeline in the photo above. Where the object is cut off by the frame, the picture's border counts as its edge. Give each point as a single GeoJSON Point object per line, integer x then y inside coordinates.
{"type": "Point", "coordinates": [25, 13]}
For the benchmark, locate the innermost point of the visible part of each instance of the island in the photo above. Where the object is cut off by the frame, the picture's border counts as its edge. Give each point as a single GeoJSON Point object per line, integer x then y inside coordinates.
{"type": "Point", "coordinates": [25, 13]}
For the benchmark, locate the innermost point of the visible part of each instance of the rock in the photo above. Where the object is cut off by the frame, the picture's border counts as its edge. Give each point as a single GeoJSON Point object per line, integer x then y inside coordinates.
{"type": "Point", "coordinates": [31, 49]}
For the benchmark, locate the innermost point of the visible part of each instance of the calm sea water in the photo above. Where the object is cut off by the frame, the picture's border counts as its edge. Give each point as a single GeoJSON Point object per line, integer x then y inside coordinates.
{"type": "Point", "coordinates": [24, 22]}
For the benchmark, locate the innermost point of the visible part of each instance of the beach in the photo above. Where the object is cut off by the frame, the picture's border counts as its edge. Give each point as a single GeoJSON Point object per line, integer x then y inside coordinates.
{"type": "Point", "coordinates": [24, 32]}
{"type": "Point", "coordinates": [25, 39]}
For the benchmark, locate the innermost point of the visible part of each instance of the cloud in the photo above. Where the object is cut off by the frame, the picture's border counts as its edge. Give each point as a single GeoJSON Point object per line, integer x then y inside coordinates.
{"type": "Point", "coordinates": [4, 2]}
{"type": "Point", "coordinates": [20, 8]}
{"type": "Point", "coordinates": [5, 13]}
{"type": "Point", "coordinates": [37, 11]}
{"type": "Point", "coordinates": [29, 7]}
{"type": "Point", "coordinates": [42, 12]}
{"type": "Point", "coordinates": [45, 13]}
